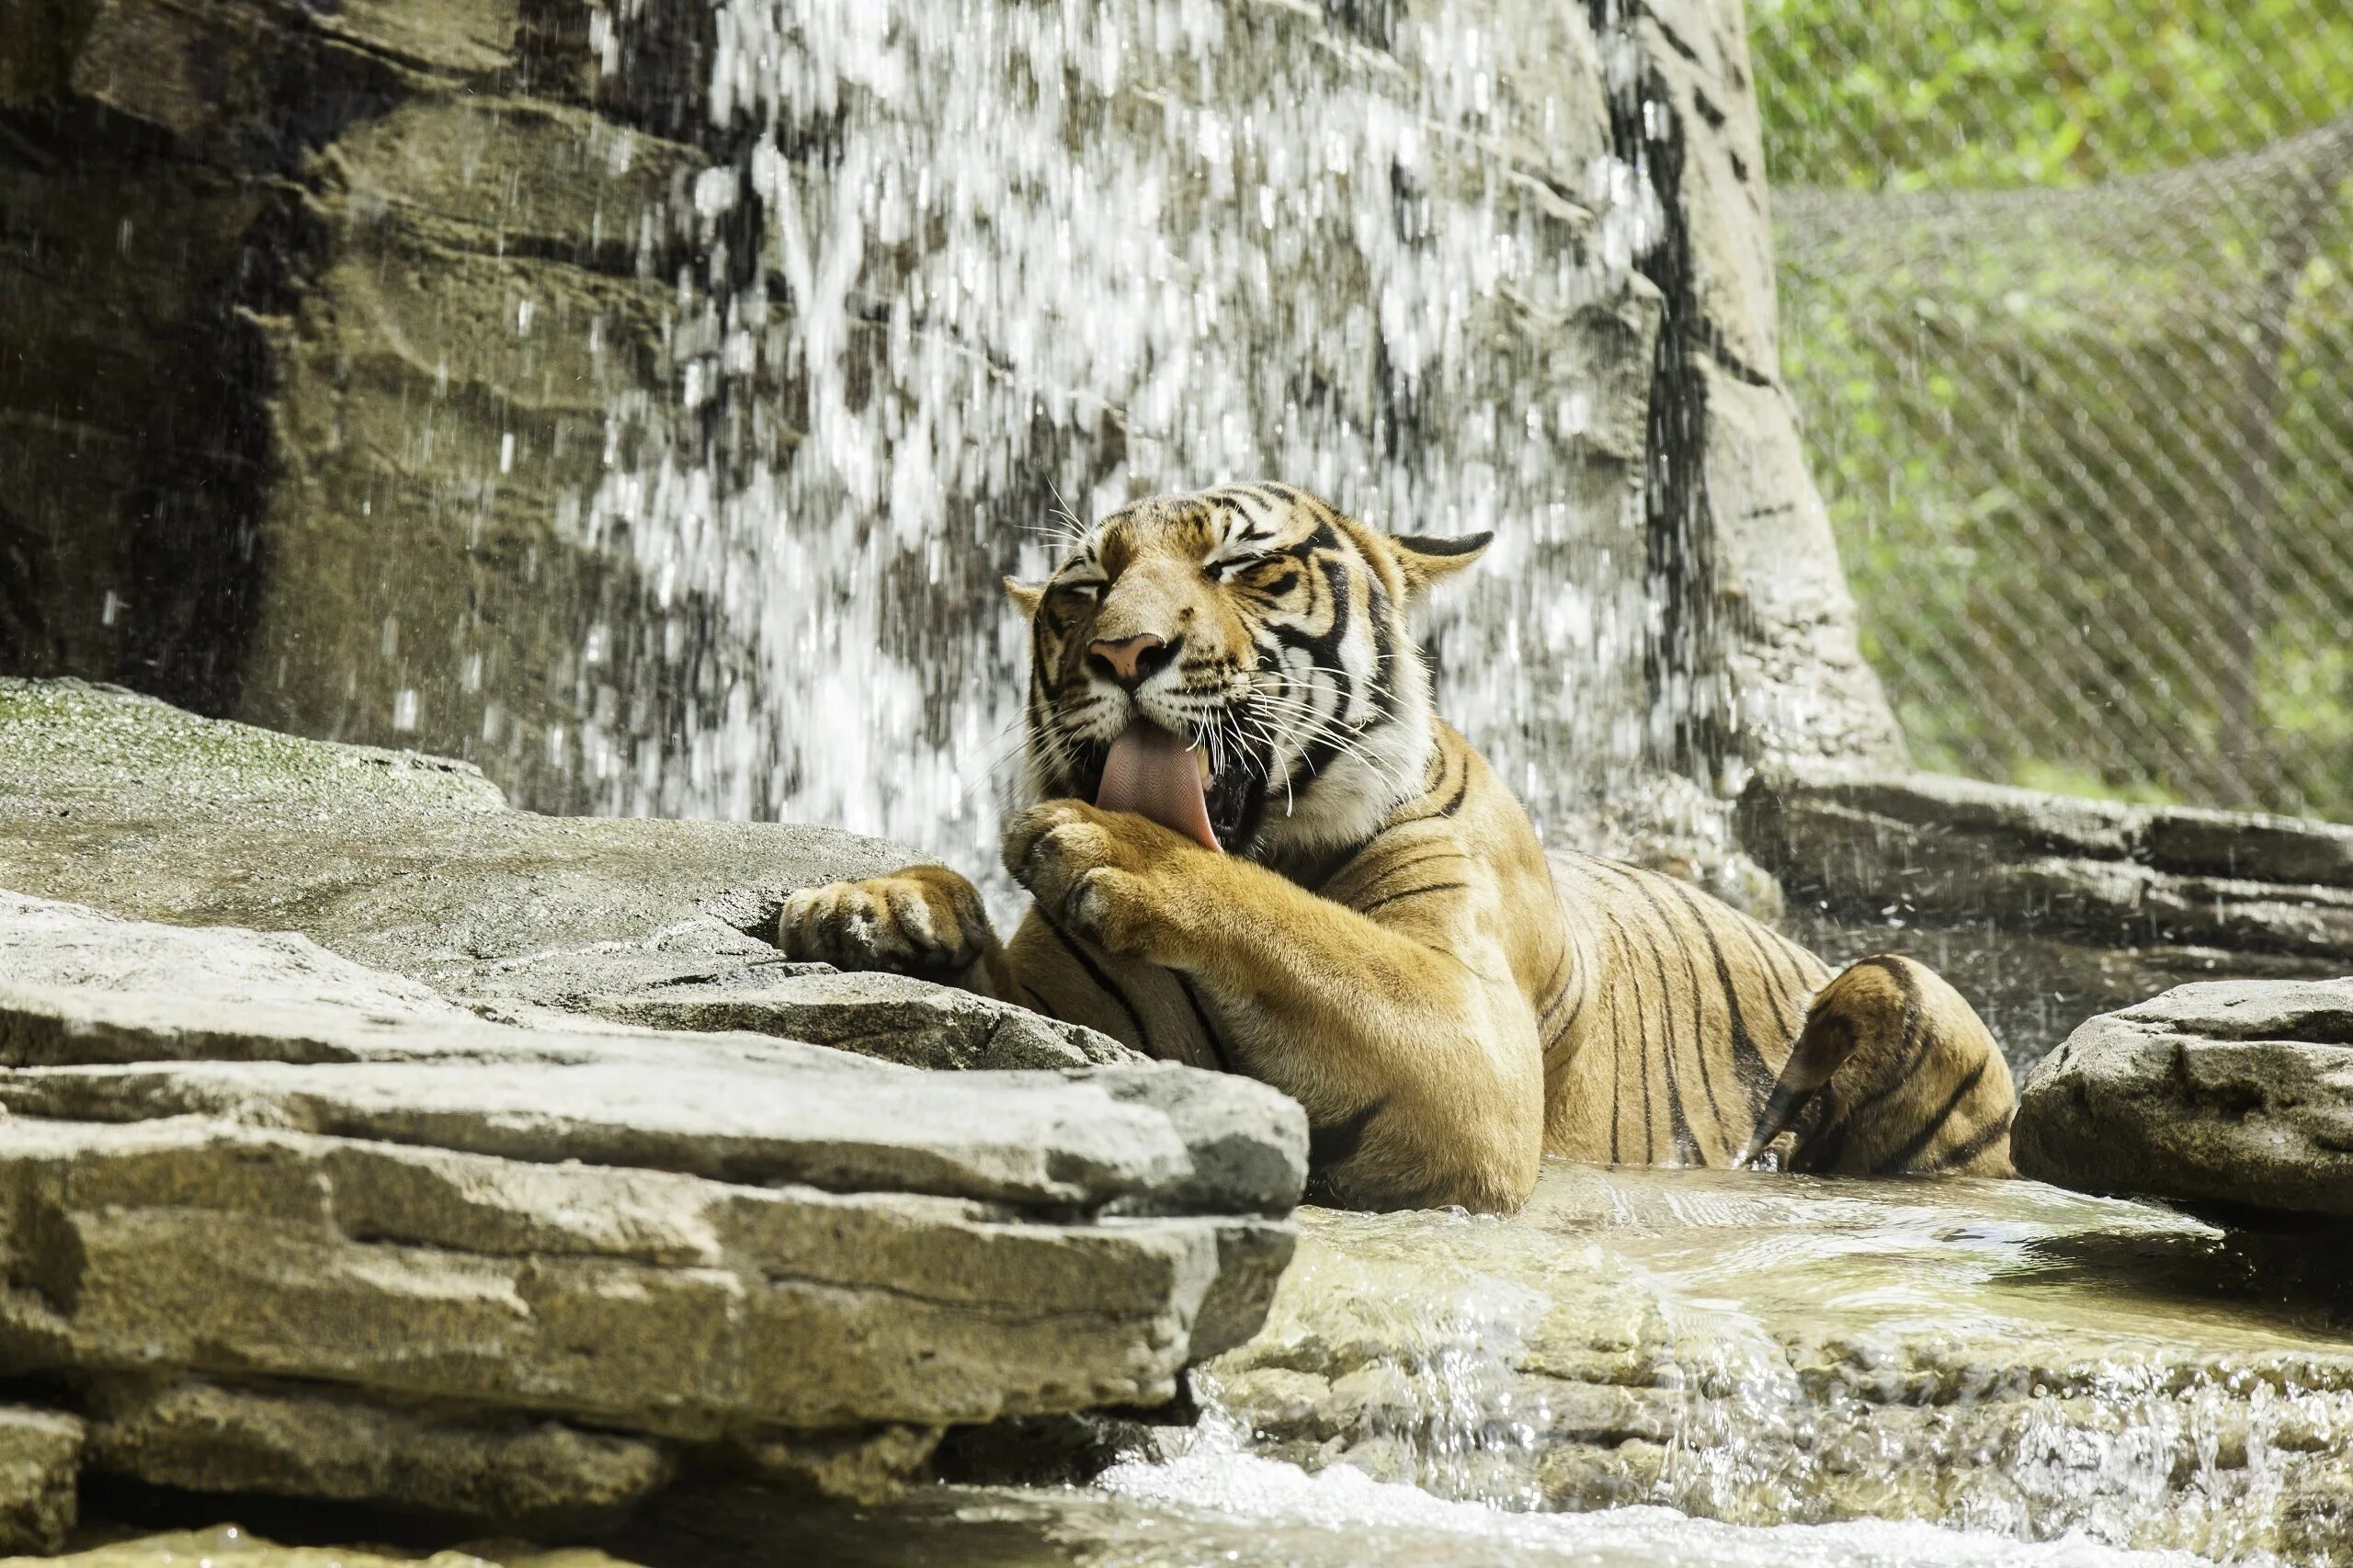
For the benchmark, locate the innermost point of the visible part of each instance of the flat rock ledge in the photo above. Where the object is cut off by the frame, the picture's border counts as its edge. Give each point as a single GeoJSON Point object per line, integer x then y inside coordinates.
{"type": "Point", "coordinates": [416, 867]}
{"type": "Point", "coordinates": [2234, 1096]}
{"type": "Point", "coordinates": [273, 1220]}
{"type": "Point", "coordinates": [1947, 849]}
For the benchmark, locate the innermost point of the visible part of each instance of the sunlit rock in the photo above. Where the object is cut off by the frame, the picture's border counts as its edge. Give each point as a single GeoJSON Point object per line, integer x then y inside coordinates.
{"type": "Point", "coordinates": [302, 1442]}
{"type": "Point", "coordinates": [689, 1237]}
{"type": "Point", "coordinates": [2235, 1094]}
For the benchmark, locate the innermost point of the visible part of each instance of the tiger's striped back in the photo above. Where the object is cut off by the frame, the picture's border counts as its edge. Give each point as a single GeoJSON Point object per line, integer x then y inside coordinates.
{"type": "Point", "coordinates": [1670, 1033]}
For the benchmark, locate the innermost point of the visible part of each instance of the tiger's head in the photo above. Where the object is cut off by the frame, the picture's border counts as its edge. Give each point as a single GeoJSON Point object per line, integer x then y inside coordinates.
{"type": "Point", "coordinates": [1235, 665]}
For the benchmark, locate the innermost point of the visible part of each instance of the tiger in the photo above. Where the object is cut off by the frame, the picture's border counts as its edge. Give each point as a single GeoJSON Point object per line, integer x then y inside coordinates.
{"type": "Point", "coordinates": [1251, 844]}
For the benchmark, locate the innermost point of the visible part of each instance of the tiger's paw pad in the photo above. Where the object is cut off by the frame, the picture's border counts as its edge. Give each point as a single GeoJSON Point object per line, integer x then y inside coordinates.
{"type": "Point", "coordinates": [926, 920]}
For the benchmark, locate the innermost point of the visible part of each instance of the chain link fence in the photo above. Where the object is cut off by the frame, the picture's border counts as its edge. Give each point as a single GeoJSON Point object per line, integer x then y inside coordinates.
{"type": "Point", "coordinates": [2067, 305]}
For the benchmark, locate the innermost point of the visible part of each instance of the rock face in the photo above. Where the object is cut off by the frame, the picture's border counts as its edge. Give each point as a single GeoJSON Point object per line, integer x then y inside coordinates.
{"type": "Point", "coordinates": [40, 1454]}
{"type": "Point", "coordinates": [284, 1225]}
{"type": "Point", "coordinates": [316, 316]}
{"type": "Point", "coordinates": [1999, 1356]}
{"type": "Point", "coordinates": [2233, 1094]}
{"type": "Point", "coordinates": [524, 382]}
{"type": "Point", "coordinates": [2047, 908]}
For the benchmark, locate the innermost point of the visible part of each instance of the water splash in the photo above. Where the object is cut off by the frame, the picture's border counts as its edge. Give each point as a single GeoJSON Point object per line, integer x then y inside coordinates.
{"type": "Point", "coordinates": [1340, 1514]}
{"type": "Point", "coordinates": [1997, 1357]}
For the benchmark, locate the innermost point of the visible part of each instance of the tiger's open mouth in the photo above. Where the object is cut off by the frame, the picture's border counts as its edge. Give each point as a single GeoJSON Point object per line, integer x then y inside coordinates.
{"type": "Point", "coordinates": [1160, 775]}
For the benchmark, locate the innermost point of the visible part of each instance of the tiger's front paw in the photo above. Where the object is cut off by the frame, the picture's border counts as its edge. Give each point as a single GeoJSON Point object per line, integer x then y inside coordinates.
{"type": "Point", "coordinates": [924, 921]}
{"type": "Point", "coordinates": [1103, 876]}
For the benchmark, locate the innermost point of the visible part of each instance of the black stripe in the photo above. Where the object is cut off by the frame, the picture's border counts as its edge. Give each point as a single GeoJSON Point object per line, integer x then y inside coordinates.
{"type": "Point", "coordinates": [1916, 1037]}
{"type": "Point", "coordinates": [1561, 1030]}
{"type": "Point", "coordinates": [1774, 954]}
{"type": "Point", "coordinates": [1642, 1056]}
{"type": "Point", "coordinates": [1552, 980]}
{"type": "Point", "coordinates": [1977, 1143]}
{"type": "Point", "coordinates": [1691, 972]}
{"type": "Point", "coordinates": [1797, 958]}
{"type": "Point", "coordinates": [1556, 985]}
{"type": "Point", "coordinates": [1336, 1142]}
{"type": "Point", "coordinates": [1201, 1017]}
{"type": "Point", "coordinates": [1786, 1016]}
{"type": "Point", "coordinates": [1687, 1146]}
{"type": "Point", "coordinates": [1323, 874]}
{"type": "Point", "coordinates": [1936, 1124]}
{"type": "Point", "coordinates": [1385, 872]}
{"type": "Point", "coordinates": [1747, 1058]}
{"type": "Point", "coordinates": [1617, 1055]}
{"type": "Point", "coordinates": [1429, 544]}
{"type": "Point", "coordinates": [1409, 892]}
{"type": "Point", "coordinates": [1094, 972]}
{"type": "Point", "coordinates": [1385, 653]}
{"type": "Point", "coordinates": [1441, 762]}
{"type": "Point", "coordinates": [1454, 802]}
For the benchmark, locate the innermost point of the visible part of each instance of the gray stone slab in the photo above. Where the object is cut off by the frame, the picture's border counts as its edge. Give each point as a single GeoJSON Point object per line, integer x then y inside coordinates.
{"type": "Point", "coordinates": [513, 1470]}
{"type": "Point", "coordinates": [1955, 851]}
{"type": "Point", "coordinates": [280, 1221]}
{"type": "Point", "coordinates": [2230, 1093]}
{"type": "Point", "coordinates": [158, 1022]}
{"type": "Point", "coordinates": [885, 1015]}
{"type": "Point", "coordinates": [1046, 1141]}
{"type": "Point", "coordinates": [398, 861]}
{"type": "Point", "coordinates": [391, 861]}
{"type": "Point", "coordinates": [650, 1302]}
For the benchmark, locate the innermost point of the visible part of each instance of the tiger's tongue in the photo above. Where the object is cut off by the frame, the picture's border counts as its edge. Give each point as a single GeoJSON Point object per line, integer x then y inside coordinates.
{"type": "Point", "coordinates": [1154, 773]}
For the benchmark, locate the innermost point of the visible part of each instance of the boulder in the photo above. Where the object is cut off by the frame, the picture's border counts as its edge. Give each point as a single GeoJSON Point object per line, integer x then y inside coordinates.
{"type": "Point", "coordinates": [1999, 1356]}
{"type": "Point", "coordinates": [279, 1223]}
{"type": "Point", "coordinates": [2235, 1095]}
{"type": "Point", "coordinates": [1949, 850]}
{"type": "Point", "coordinates": [394, 860]}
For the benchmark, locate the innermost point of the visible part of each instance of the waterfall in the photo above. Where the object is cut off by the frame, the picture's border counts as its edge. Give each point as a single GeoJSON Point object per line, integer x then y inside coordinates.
{"type": "Point", "coordinates": [968, 272]}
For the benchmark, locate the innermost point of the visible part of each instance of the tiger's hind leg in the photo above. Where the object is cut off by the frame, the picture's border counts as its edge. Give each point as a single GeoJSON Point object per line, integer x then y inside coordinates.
{"type": "Point", "coordinates": [1892, 1075]}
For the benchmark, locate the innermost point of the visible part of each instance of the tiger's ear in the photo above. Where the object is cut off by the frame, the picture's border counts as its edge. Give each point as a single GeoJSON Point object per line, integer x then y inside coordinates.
{"type": "Point", "coordinates": [1026, 597]}
{"type": "Point", "coordinates": [1424, 558]}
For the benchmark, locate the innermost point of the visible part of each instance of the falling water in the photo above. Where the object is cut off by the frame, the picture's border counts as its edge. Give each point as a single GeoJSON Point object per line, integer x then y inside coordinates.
{"type": "Point", "coordinates": [972, 270]}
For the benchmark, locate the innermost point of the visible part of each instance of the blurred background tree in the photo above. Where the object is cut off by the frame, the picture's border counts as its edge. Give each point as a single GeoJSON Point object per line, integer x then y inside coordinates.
{"type": "Point", "coordinates": [2068, 308]}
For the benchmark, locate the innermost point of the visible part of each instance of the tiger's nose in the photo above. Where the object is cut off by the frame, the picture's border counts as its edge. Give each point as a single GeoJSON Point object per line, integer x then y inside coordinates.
{"type": "Point", "coordinates": [1131, 662]}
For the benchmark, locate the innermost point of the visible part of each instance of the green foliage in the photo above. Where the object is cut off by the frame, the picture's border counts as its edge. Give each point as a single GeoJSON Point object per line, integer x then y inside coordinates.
{"type": "Point", "coordinates": [2030, 412]}
{"type": "Point", "coordinates": [1937, 94]}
